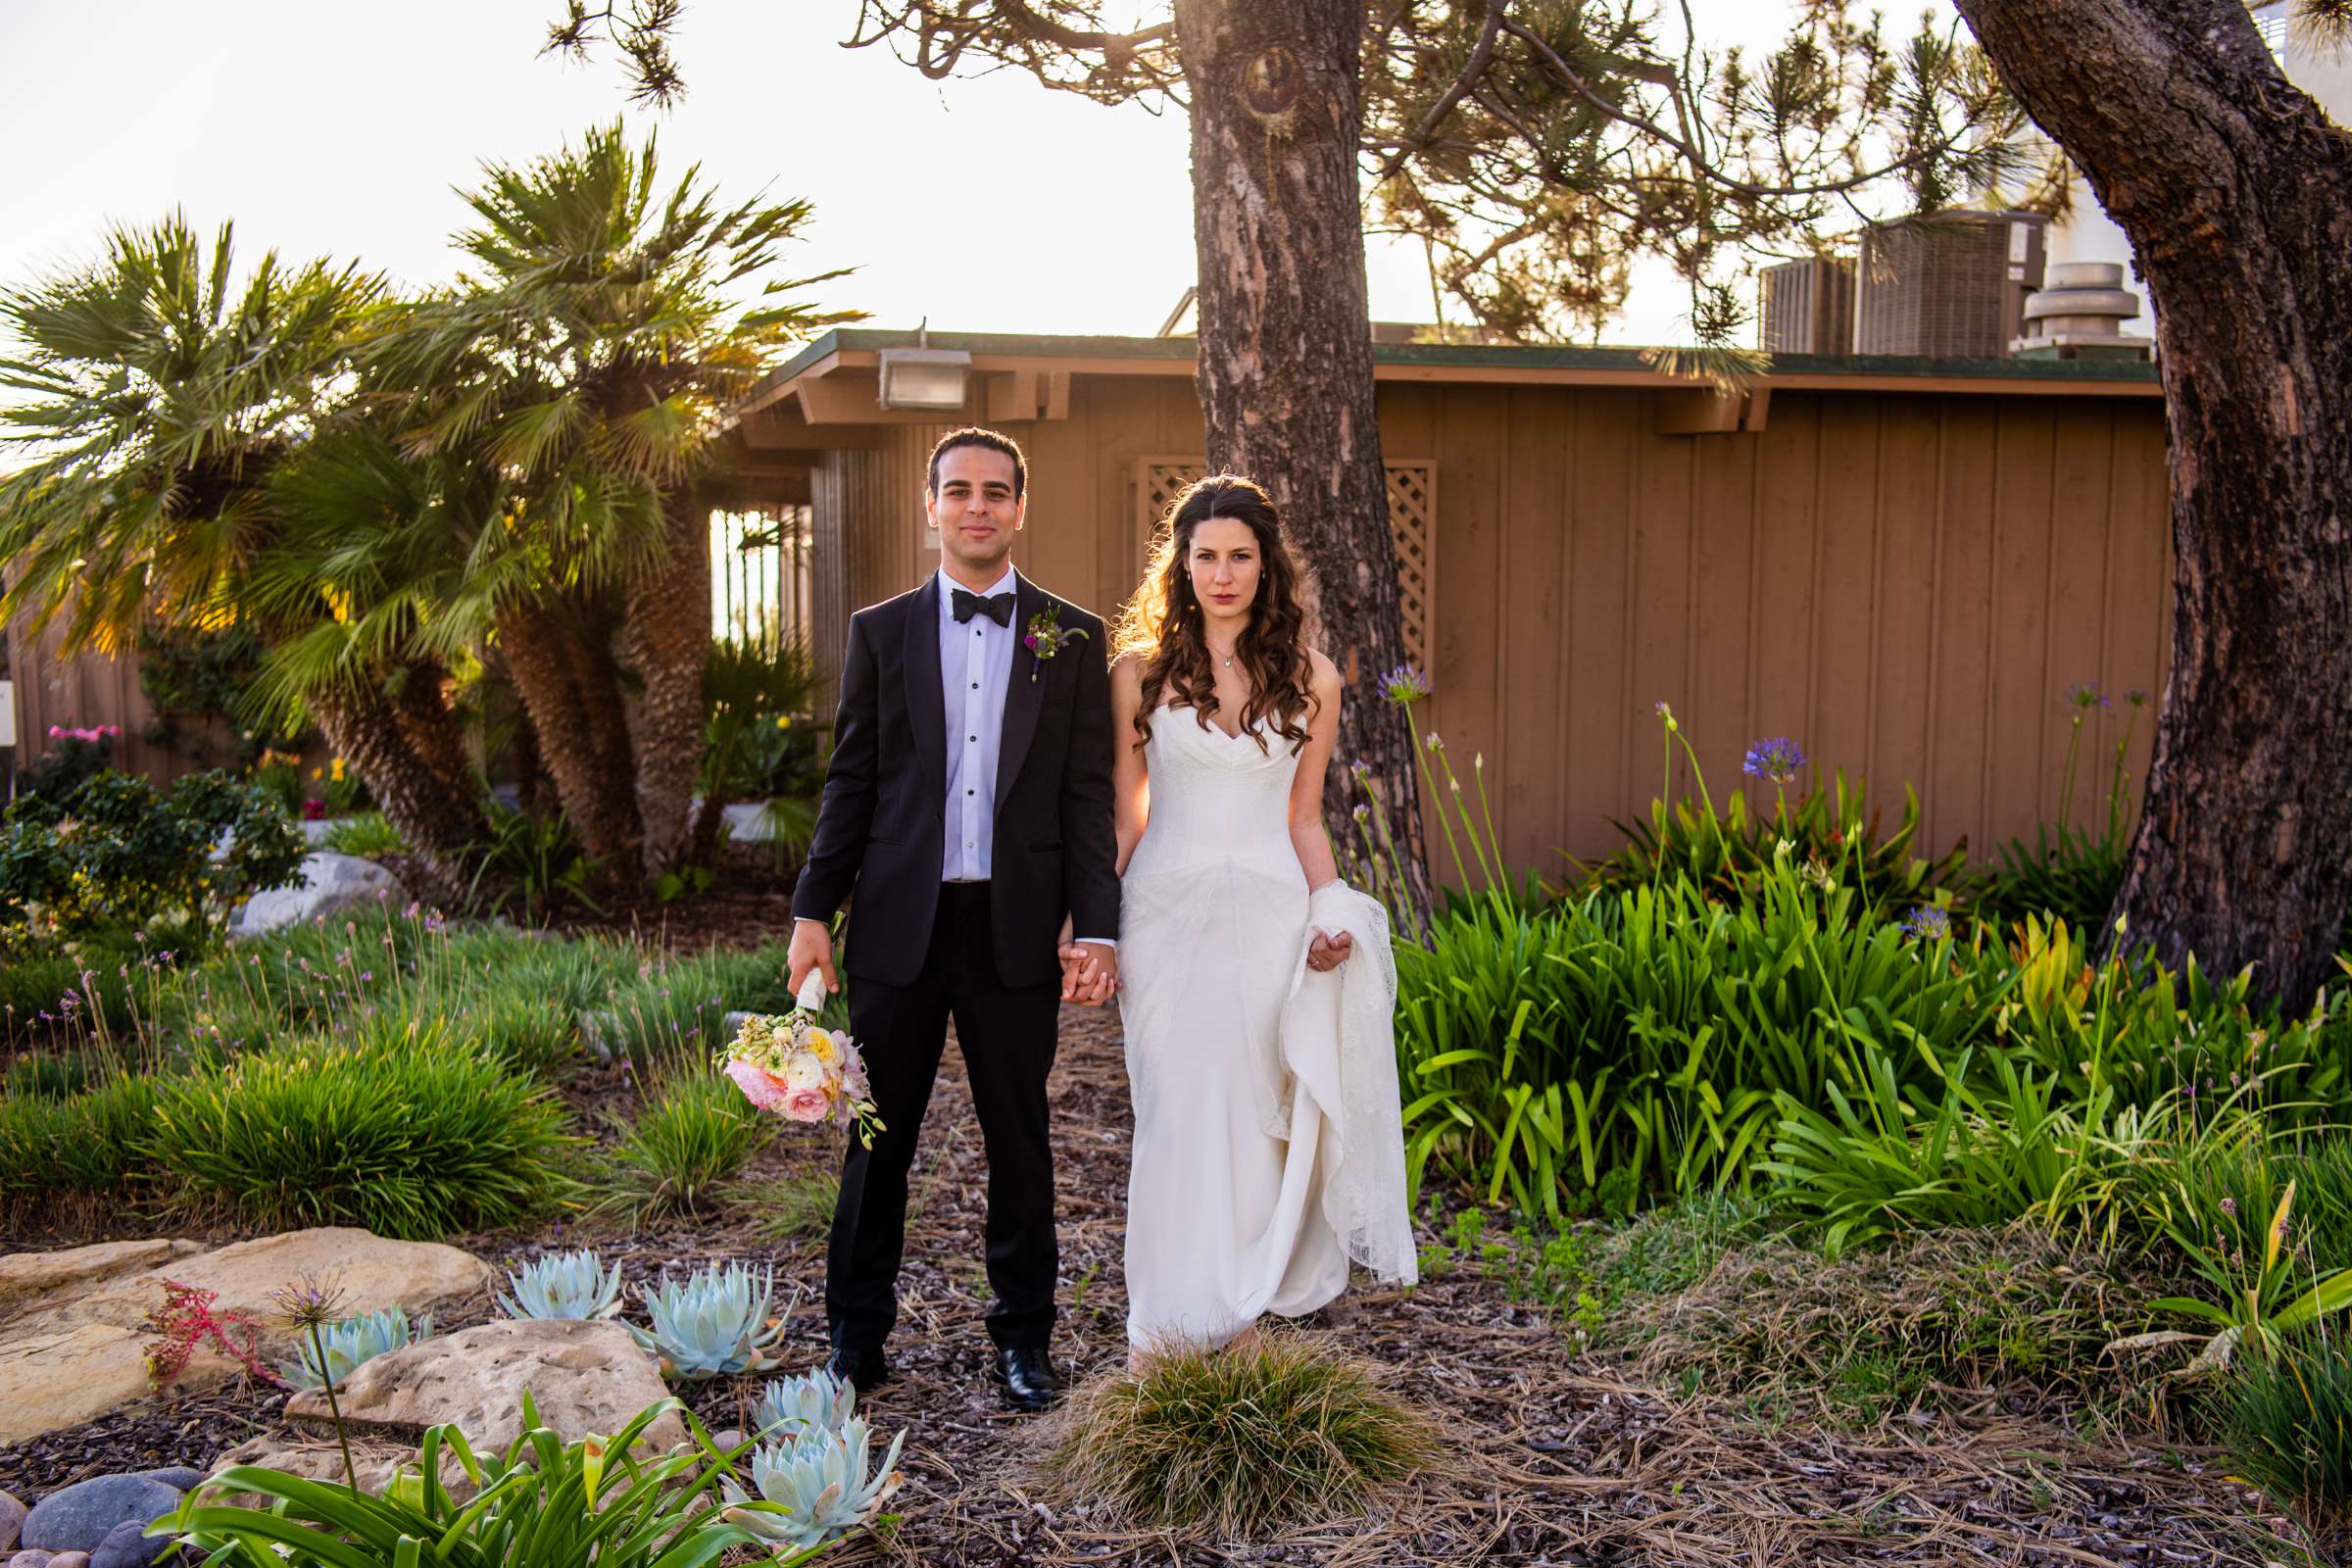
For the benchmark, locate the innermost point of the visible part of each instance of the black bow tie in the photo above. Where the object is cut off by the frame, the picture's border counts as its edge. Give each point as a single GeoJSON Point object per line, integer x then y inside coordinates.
{"type": "Point", "coordinates": [995, 607]}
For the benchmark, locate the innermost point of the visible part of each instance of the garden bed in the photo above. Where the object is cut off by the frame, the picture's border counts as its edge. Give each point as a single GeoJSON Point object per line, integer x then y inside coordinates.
{"type": "Point", "coordinates": [1560, 1457]}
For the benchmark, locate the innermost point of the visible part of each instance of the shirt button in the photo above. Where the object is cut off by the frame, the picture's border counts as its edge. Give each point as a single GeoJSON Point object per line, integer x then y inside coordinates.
{"type": "Point", "coordinates": [975, 685]}
{"type": "Point", "coordinates": [967, 792]}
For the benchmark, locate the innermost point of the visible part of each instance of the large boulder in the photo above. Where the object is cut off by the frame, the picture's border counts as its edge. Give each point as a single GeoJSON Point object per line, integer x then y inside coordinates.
{"type": "Point", "coordinates": [375, 1461]}
{"type": "Point", "coordinates": [329, 884]}
{"type": "Point", "coordinates": [76, 1345]}
{"type": "Point", "coordinates": [583, 1377]}
{"type": "Point", "coordinates": [27, 1279]}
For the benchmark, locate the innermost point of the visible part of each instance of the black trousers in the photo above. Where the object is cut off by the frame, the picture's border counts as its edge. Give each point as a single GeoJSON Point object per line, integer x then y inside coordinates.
{"type": "Point", "coordinates": [1008, 1036]}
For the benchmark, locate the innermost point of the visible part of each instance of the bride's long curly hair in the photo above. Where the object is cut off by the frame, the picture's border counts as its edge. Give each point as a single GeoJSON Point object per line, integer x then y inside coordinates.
{"type": "Point", "coordinates": [1161, 624]}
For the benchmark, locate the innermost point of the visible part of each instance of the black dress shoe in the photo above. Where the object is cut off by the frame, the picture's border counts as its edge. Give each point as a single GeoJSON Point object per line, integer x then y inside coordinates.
{"type": "Point", "coordinates": [863, 1368]}
{"type": "Point", "coordinates": [1027, 1373]}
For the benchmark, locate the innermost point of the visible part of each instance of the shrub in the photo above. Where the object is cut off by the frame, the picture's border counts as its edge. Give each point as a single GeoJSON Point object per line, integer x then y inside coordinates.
{"type": "Point", "coordinates": [684, 1147]}
{"type": "Point", "coordinates": [794, 1207]}
{"type": "Point", "coordinates": [402, 1130]}
{"type": "Point", "coordinates": [1307, 1435]}
{"type": "Point", "coordinates": [2286, 1418]}
{"type": "Point", "coordinates": [114, 852]}
{"type": "Point", "coordinates": [365, 833]}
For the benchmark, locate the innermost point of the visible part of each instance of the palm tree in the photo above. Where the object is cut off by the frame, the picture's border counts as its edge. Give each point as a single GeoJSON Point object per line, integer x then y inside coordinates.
{"type": "Point", "coordinates": [587, 361]}
{"type": "Point", "coordinates": [163, 408]}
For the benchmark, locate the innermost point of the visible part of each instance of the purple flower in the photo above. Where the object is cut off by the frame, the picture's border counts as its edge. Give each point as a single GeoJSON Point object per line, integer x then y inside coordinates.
{"type": "Point", "coordinates": [2086, 695]}
{"type": "Point", "coordinates": [1361, 770]}
{"type": "Point", "coordinates": [1928, 922]}
{"type": "Point", "coordinates": [2230, 1206]}
{"type": "Point", "coordinates": [1775, 757]}
{"type": "Point", "coordinates": [1404, 684]}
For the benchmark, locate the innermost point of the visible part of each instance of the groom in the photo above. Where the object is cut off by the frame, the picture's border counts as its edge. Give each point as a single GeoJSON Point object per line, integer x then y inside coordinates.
{"type": "Point", "coordinates": [969, 803]}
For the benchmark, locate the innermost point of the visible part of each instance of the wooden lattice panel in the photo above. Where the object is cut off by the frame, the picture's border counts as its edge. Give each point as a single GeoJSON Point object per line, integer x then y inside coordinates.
{"type": "Point", "coordinates": [1413, 525]}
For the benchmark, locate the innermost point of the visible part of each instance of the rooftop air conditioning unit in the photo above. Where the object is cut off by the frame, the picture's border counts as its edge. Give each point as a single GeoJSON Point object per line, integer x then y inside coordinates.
{"type": "Point", "coordinates": [1807, 307]}
{"type": "Point", "coordinates": [1949, 286]}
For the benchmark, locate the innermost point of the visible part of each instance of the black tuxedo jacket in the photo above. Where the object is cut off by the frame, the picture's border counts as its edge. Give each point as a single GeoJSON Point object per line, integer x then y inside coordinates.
{"type": "Point", "coordinates": [881, 826]}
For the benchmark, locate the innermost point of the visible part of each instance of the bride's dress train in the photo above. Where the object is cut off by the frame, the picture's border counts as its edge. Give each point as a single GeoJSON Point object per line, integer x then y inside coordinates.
{"type": "Point", "coordinates": [1268, 1149]}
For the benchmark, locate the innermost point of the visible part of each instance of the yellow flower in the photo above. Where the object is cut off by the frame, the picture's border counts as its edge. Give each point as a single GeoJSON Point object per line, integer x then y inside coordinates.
{"type": "Point", "coordinates": [819, 1045]}
{"type": "Point", "coordinates": [338, 771]}
{"type": "Point", "coordinates": [315, 772]}
{"type": "Point", "coordinates": [783, 721]}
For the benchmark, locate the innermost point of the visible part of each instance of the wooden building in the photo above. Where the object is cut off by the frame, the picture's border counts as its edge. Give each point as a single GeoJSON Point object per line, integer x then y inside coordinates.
{"type": "Point", "coordinates": [1901, 563]}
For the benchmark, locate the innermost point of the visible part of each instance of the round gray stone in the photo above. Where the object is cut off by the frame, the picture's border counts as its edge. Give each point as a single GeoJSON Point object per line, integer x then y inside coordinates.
{"type": "Point", "coordinates": [177, 1475]}
{"type": "Point", "coordinates": [79, 1517]}
{"type": "Point", "coordinates": [129, 1545]}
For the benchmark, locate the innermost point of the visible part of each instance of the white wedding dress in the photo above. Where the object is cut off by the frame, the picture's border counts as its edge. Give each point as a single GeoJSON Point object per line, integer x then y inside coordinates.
{"type": "Point", "coordinates": [1268, 1141]}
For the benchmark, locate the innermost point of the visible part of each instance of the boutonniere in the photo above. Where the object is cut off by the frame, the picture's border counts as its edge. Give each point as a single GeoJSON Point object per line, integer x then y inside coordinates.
{"type": "Point", "coordinates": [1046, 635]}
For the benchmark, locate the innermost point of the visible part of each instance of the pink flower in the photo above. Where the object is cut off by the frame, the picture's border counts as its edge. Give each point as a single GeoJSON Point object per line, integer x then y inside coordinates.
{"type": "Point", "coordinates": [807, 1104]}
{"type": "Point", "coordinates": [760, 1087]}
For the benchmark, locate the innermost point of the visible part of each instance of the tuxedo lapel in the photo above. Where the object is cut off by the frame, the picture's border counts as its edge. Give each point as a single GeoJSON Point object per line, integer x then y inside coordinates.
{"type": "Point", "coordinates": [1027, 694]}
{"type": "Point", "coordinates": [926, 709]}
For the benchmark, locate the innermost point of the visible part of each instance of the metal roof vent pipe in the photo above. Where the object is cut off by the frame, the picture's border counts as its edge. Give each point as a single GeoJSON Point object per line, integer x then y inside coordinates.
{"type": "Point", "coordinates": [2079, 312]}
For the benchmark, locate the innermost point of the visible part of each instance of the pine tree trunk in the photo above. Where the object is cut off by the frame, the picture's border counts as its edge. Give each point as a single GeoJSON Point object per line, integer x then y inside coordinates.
{"type": "Point", "coordinates": [365, 726]}
{"type": "Point", "coordinates": [2238, 196]}
{"type": "Point", "coordinates": [669, 642]}
{"type": "Point", "coordinates": [570, 687]}
{"type": "Point", "coordinates": [1284, 373]}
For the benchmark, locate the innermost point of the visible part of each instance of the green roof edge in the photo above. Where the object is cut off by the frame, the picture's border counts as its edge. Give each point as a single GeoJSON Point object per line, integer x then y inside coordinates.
{"type": "Point", "coordinates": [1894, 366]}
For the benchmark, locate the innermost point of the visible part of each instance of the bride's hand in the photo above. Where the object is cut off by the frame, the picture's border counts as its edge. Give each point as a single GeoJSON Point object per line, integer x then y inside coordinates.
{"type": "Point", "coordinates": [1329, 952]}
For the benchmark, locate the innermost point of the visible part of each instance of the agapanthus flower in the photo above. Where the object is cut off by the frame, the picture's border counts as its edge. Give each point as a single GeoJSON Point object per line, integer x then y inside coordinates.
{"type": "Point", "coordinates": [2086, 695]}
{"type": "Point", "coordinates": [1404, 684]}
{"type": "Point", "coordinates": [1928, 922]}
{"type": "Point", "coordinates": [1775, 757]}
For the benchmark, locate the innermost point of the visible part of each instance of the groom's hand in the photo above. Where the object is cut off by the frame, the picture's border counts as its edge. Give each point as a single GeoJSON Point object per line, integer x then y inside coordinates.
{"type": "Point", "coordinates": [811, 949]}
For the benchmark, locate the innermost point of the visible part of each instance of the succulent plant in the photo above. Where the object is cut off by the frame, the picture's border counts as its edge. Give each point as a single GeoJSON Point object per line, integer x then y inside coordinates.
{"type": "Point", "coordinates": [350, 1341]}
{"type": "Point", "coordinates": [714, 1325]}
{"type": "Point", "coordinates": [790, 1407]}
{"type": "Point", "coordinates": [817, 1486]}
{"type": "Point", "coordinates": [565, 1284]}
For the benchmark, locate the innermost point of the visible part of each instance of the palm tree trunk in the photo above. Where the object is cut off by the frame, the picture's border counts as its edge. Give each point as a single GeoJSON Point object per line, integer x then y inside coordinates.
{"type": "Point", "coordinates": [669, 641]}
{"type": "Point", "coordinates": [2236, 193]}
{"type": "Point", "coordinates": [436, 816]}
{"type": "Point", "coordinates": [1284, 373]}
{"type": "Point", "coordinates": [573, 700]}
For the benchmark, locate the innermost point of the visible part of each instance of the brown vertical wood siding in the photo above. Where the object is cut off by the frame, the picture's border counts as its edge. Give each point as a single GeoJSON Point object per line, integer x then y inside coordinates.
{"type": "Point", "coordinates": [1906, 583]}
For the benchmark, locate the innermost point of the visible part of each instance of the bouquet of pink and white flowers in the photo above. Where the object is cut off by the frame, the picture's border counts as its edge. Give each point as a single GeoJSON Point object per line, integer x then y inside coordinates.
{"type": "Point", "coordinates": [801, 1071]}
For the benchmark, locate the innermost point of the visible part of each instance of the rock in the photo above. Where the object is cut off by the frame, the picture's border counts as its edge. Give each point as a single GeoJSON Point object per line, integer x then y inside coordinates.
{"type": "Point", "coordinates": [70, 1560]}
{"type": "Point", "coordinates": [727, 1439]}
{"type": "Point", "coordinates": [29, 1280]}
{"type": "Point", "coordinates": [178, 1475]}
{"type": "Point", "coordinates": [28, 1558]}
{"type": "Point", "coordinates": [330, 884]}
{"type": "Point", "coordinates": [77, 1518]}
{"type": "Point", "coordinates": [76, 1354]}
{"type": "Point", "coordinates": [12, 1520]}
{"type": "Point", "coordinates": [373, 1459]}
{"type": "Point", "coordinates": [583, 1377]}
{"type": "Point", "coordinates": [129, 1545]}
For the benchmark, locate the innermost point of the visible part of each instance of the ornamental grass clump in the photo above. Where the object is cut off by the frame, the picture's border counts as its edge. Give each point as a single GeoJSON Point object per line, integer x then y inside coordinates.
{"type": "Point", "coordinates": [682, 1150]}
{"type": "Point", "coordinates": [2286, 1420]}
{"type": "Point", "coordinates": [404, 1131]}
{"type": "Point", "coordinates": [1243, 1442]}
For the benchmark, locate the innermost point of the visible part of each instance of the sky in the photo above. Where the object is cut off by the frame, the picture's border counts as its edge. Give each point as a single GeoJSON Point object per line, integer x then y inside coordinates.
{"type": "Point", "coordinates": [329, 127]}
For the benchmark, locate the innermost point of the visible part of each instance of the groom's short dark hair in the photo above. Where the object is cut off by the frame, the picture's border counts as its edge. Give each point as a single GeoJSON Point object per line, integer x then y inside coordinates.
{"type": "Point", "coordinates": [971, 435]}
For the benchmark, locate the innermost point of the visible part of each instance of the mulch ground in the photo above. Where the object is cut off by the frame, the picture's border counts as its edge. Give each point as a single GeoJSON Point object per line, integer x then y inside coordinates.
{"type": "Point", "coordinates": [1555, 1458]}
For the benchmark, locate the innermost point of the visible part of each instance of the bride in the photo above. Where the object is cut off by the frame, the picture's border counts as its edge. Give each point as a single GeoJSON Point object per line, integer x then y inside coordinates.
{"type": "Point", "coordinates": [1257, 988]}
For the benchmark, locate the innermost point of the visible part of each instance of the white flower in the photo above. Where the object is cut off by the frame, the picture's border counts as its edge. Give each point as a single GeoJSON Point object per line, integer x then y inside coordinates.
{"type": "Point", "coordinates": [804, 1072]}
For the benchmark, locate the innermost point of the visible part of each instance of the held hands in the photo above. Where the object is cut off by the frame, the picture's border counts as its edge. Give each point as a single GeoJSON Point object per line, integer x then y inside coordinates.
{"type": "Point", "coordinates": [811, 949]}
{"type": "Point", "coordinates": [1326, 952]}
{"type": "Point", "coordinates": [1089, 971]}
